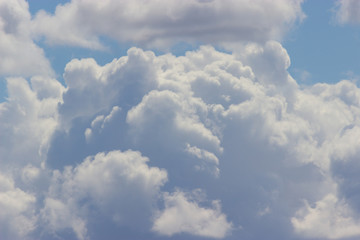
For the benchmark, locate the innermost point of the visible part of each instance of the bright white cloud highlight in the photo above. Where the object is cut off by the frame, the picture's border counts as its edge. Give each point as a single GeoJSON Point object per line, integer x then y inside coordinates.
{"type": "Point", "coordinates": [184, 215]}
{"type": "Point", "coordinates": [28, 120]}
{"type": "Point", "coordinates": [330, 218]}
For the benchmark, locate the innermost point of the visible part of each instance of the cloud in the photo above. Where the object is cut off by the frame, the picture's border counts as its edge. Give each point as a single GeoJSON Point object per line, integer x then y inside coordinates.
{"type": "Point", "coordinates": [211, 119]}
{"type": "Point", "coordinates": [163, 23]}
{"type": "Point", "coordinates": [108, 154]}
{"type": "Point", "coordinates": [57, 216]}
{"type": "Point", "coordinates": [17, 216]}
{"type": "Point", "coordinates": [117, 186]}
{"type": "Point", "coordinates": [184, 215]}
{"type": "Point", "coordinates": [20, 56]}
{"type": "Point", "coordinates": [330, 218]}
{"type": "Point", "coordinates": [28, 120]}
{"type": "Point", "coordinates": [130, 148]}
{"type": "Point", "coordinates": [347, 11]}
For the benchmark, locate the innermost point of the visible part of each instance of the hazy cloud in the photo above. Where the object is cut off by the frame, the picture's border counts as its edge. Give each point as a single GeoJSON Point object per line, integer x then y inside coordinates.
{"type": "Point", "coordinates": [348, 11]}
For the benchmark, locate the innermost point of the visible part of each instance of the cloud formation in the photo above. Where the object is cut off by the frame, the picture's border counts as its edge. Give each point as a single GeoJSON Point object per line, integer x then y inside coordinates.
{"type": "Point", "coordinates": [161, 23]}
{"type": "Point", "coordinates": [206, 145]}
{"type": "Point", "coordinates": [117, 185]}
{"type": "Point", "coordinates": [217, 129]}
{"type": "Point", "coordinates": [347, 11]}
{"type": "Point", "coordinates": [20, 56]}
{"type": "Point", "coordinates": [17, 215]}
{"type": "Point", "coordinates": [184, 215]}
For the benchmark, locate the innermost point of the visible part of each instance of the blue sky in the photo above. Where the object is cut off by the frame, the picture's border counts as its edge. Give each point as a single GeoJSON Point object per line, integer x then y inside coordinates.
{"type": "Point", "coordinates": [167, 119]}
{"type": "Point", "coordinates": [321, 46]}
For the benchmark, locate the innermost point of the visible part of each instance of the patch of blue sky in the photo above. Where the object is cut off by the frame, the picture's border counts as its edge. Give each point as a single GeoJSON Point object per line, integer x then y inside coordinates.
{"type": "Point", "coordinates": [320, 49]}
{"type": "Point", "coordinates": [59, 55]}
{"type": "Point", "coordinates": [3, 90]}
{"type": "Point", "coordinates": [46, 5]}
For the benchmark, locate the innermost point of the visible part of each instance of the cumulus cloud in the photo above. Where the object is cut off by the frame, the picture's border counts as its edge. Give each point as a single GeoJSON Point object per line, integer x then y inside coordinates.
{"type": "Point", "coordinates": [20, 56]}
{"type": "Point", "coordinates": [184, 215]}
{"type": "Point", "coordinates": [161, 23]}
{"type": "Point", "coordinates": [226, 125]}
{"type": "Point", "coordinates": [28, 119]}
{"type": "Point", "coordinates": [17, 216]}
{"type": "Point", "coordinates": [206, 145]}
{"type": "Point", "coordinates": [330, 218]}
{"type": "Point", "coordinates": [117, 185]}
{"type": "Point", "coordinates": [130, 148]}
{"type": "Point", "coordinates": [202, 117]}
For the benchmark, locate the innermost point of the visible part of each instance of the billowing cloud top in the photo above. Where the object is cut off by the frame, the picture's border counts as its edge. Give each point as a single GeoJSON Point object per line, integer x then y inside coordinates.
{"type": "Point", "coordinates": [208, 145]}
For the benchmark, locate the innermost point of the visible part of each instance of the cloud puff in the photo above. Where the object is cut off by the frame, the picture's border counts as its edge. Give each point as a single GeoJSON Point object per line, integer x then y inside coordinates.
{"type": "Point", "coordinates": [17, 216]}
{"type": "Point", "coordinates": [20, 56]}
{"type": "Point", "coordinates": [184, 215]}
{"type": "Point", "coordinates": [28, 120]}
{"type": "Point", "coordinates": [330, 218]}
{"type": "Point", "coordinates": [161, 23]}
{"type": "Point", "coordinates": [117, 186]}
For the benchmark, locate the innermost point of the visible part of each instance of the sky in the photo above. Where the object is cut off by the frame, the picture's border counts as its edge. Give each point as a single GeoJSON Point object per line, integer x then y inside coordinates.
{"type": "Point", "coordinates": [167, 119]}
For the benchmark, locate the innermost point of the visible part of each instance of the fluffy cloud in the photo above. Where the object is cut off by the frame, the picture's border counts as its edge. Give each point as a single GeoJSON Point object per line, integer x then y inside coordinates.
{"type": "Point", "coordinates": [236, 126]}
{"type": "Point", "coordinates": [118, 186]}
{"type": "Point", "coordinates": [20, 56]}
{"type": "Point", "coordinates": [182, 215]}
{"type": "Point", "coordinates": [330, 218]}
{"type": "Point", "coordinates": [28, 119]}
{"type": "Point", "coordinates": [17, 216]}
{"type": "Point", "coordinates": [160, 23]}
{"type": "Point", "coordinates": [202, 117]}
{"type": "Point", "coordinates": [205, 145]}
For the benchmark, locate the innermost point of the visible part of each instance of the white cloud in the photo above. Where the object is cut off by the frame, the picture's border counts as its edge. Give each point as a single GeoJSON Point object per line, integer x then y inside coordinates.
{"type": "Point", "coordinates": [178, 114]}
{"type": "Point", "coordinates": [20, 56]}
{"type": "Point", "coordinates": [109, 83]}
{"type": "Point", "coordinates": [28, 120]}
{"type": "Point", "coordinates": [161, 23]}
{"type": "Point", "coordinates": [58, 216]}
{"type": "Point", "coordinates": [330, 218]}
{"type": "Point", "coordinates": [184, 215]}
{"type": "Point", "coordinates": [238, 114]}
{"type": "Point", "coordinates": [180, 120]}
{"type": "Point", "coordinates": [348, 11]}
{"type": "Point", "coordinates": [260, 141]}
{"type": "Point", "coordinates": [117, 185]}
{"type": "Point", "coordinates": [17, 215]}
{"type": "Point", "coordinates": [208, 157]}
{"type": "Point", "coordinates": [100, 122]}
